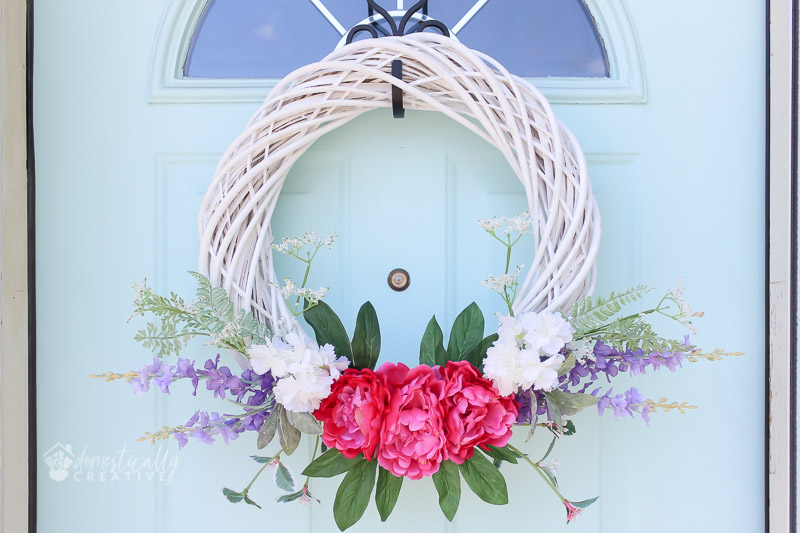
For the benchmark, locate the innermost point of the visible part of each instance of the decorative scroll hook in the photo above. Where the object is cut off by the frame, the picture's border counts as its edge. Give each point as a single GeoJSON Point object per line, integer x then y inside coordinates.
{"type": "Point", "coordinates": [398, 109]}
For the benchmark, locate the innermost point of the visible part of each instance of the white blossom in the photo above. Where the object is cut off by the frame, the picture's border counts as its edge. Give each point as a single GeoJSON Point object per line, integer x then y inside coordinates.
{"type": "Point", "coordinates": [583, 350]}
{"type": "Point", "coordinates": [519, 223]}
{"type": "Point", "coordinates": [503, 281]}
{"type": "Point", "coordinates": [290, 289]}
{"type": "Point", "coordinates": [551, 466]}
{"type": "Point", "coordinates": [545, 331]}
{"type": "Point", "coordinates": [526, 353]}
{"type": "Point", "coordinates": [685, 311]}
{"type": "Point", "coordinates": [536, 373]}
{"type": "Point", "coordinates": [491, 224]}
{"type": "Point", "coordinates": [291, 245]}
{"type": "Point", "coordinates": [305, 371]}
{"type": "Point", "coordinates": [501, 366]}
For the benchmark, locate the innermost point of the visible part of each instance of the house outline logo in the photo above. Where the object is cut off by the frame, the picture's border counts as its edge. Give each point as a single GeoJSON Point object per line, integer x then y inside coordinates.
{"type": "Point", "coordinates": [59, 459]}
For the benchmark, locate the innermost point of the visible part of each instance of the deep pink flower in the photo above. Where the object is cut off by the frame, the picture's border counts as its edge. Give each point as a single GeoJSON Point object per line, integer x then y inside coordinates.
{"type": "Point", "coordinates": [412, 439]}
{"type": "Point", "coordinates": [475, 413]}
{"type": "Point", "coordinates": [352, 415]}
{"type": "Point", "coordinates": [572, 512]}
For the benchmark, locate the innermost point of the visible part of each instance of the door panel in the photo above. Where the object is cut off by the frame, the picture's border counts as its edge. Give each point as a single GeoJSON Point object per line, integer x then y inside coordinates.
{"type": "Point", "coordinates": [679, 181]}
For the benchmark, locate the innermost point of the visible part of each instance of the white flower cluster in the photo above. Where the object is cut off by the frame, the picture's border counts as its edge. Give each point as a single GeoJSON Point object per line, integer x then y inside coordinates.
{"type": "Point", "coordinates": [292, 245]}
{"type": "Point", "coordinates": [503, 281]}
{"type": "Point", "coordinates": [685, 311]}
{"type": "Point", "coordinates": [304, 370]}
{"type": "Point", "coordinates": [526, 354]}
{"type": "Point", "coordinates": [519, 223]}
{"type": "Point", "coordinates": [290, 289]}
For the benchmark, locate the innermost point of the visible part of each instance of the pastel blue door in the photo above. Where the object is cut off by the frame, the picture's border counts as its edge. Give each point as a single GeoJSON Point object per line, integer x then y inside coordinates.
{"type": "Point", "coordinates": [121, 170]}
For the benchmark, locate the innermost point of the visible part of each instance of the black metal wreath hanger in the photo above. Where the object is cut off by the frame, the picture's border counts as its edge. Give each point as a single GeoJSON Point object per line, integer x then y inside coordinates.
{"type": "Point", "coordinates": [376, 31]}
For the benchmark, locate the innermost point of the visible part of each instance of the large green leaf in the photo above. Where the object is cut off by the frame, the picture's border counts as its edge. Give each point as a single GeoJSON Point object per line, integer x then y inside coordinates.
{"type": "Point", "coordinates": [366, 338]}
{"type": "Point", "coordinates": [331, 463]}
{"type": "Point", "coordinates": [269, 427]}
{"type": "Point", "coordinates": [585, 503]}
{"type": "Point", "coordinates": [304, 422]}
{"type": "Point", "coordinates": [478, 354]}
{"type": "Point", "coordinates": [328, 329]}
{"type": "Point", "coordinates": [288, 435]}
{"type": "Point", "coordinates": [571, 403]}
{"type": "Point", "coordinates": [554, 408]}
{"type": "Point", "coordinates": [484, 479]}
{"type": "Point", "coordinates": [466, 334]}
{"type": "Point", "coordinates": [448, 485]}
{"type": "Point", "coordinates": [353, 495]}
{"type": "Point", "coordinates": [387, 491]}
{"type": "Point", "coordinates": [502, 454]}
{"type": "Point", "coordinates": [431, 349]}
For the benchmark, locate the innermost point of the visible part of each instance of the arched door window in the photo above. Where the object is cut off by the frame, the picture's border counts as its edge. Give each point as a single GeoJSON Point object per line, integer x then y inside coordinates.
{"type": "Point", "coordinates": [535, 38]}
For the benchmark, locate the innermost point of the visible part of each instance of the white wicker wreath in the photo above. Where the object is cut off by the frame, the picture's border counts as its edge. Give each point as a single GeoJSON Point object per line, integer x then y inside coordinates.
{"type": "Point", "coordinates": [439, 74]}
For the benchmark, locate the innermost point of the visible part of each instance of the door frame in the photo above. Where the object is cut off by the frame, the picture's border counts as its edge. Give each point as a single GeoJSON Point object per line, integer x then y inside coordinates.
{"type": "Point", "coordinates": [18, 457]}
{"type": "Point", "coordinates": [17, 330]}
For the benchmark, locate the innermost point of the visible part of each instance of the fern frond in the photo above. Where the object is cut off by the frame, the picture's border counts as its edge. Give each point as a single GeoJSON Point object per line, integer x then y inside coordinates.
{"type": "Point", "coordinates": [588, 314]}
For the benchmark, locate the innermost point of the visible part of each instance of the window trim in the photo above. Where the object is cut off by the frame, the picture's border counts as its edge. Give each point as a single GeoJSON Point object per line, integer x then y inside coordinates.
{"type": "Point", "coordinates": [626, 84]}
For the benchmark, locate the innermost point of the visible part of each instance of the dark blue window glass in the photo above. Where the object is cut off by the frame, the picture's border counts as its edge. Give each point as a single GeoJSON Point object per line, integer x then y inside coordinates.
{"type": "Point", "coordinates": [270, 38]}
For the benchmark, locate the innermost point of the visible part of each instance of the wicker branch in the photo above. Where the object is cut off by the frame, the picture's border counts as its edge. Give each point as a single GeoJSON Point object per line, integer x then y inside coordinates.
{"type": "Point", "coordinates": [440, 74]}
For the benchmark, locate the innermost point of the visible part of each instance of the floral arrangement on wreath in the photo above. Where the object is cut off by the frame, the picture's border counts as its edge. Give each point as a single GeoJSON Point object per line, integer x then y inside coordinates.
{"type": "Point", "coordinates": [449, 418]}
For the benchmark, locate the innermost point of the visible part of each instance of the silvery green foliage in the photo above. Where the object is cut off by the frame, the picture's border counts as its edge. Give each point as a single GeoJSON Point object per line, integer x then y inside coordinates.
{"type": "Point", "coordinates": [591, 318]}
{"type": "Point", "coordinates": [589, 314]}
{"type": "Point", "coordinates": [632, 332]}
{"type": "Point", "coordinates": [211, 315]}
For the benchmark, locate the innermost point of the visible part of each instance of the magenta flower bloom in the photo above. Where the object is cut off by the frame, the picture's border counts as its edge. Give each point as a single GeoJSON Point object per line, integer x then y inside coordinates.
{"type": "Point", "coordinates": [475, 413]}
{"type": "Point", "coordinates": [412, 439]}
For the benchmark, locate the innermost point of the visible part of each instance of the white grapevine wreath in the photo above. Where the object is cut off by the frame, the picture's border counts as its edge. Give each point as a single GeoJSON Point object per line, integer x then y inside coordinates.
{"type": "Point", "coordinates": [440, 74]}
{"type": "Point", "coordinates": [451, 417]}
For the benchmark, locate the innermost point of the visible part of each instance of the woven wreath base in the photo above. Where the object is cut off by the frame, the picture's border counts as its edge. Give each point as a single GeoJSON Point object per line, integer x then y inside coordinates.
{"type": "Point", "coordinates": [439, 74]}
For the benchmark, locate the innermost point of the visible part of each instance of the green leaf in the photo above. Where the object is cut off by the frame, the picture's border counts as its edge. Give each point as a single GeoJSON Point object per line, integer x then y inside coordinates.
{"type": "Point", "coordinates": [366, 338]}
{"type": "Point", "coordinates": [331, 463]}
{"type": "Point", "coordinates": [431, 349]}
{"type": "Point", "coordinates": [571, 403]}
{"type": "Point", "coordinates": [484, 479]}
{"type": "Point", "coordinates": [466, 334]}
{"type": "Point", "coordinates": [232, 495]}
{"type": "Point", "coordinates": [328, 329]}
{"type": "Point", "coordinates": [283, 478]}
{"type": "Point", "coordinates": [585, 503]}
{"type": "Point", "coordinates": [478, 354]}
{"type": "Point", "coordinates": [569, 428]}
{"type": "Point", "coordinates": [251, 502]}
{"type": "Point", "coordinates": [304, 422]}
{"type": "Point", "coordinates": [288, 435]}
{"type": "Point", "coordinates": [387, 491]}
{"type": "Point", "coordinates": [549, 449]}
{"type": "Point", "coordinates": [262, 460]}
{"type": "Point", "coordinates": [555, 411]}
{"type": "Point", "coordinates": [503, 454]}
{"type": "Point", "coordinates": [286, 498]}
{"type": "Point", "coordinates": [568, 365]}
{"type": "Point", "coordinates": [448, 485]}
{"type": "Point", "coordinates": [353, 494]}
{"type": "Point", "coordinates": [269, 427]}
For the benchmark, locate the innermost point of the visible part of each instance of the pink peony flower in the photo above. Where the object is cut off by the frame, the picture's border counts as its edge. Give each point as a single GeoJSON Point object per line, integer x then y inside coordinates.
{"type": "Point", "coordinates": [412, 439]}
{"type": "Point", "coordinates": [352, 415]}
{"type": "Point", "coordinates": [475, 413]}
